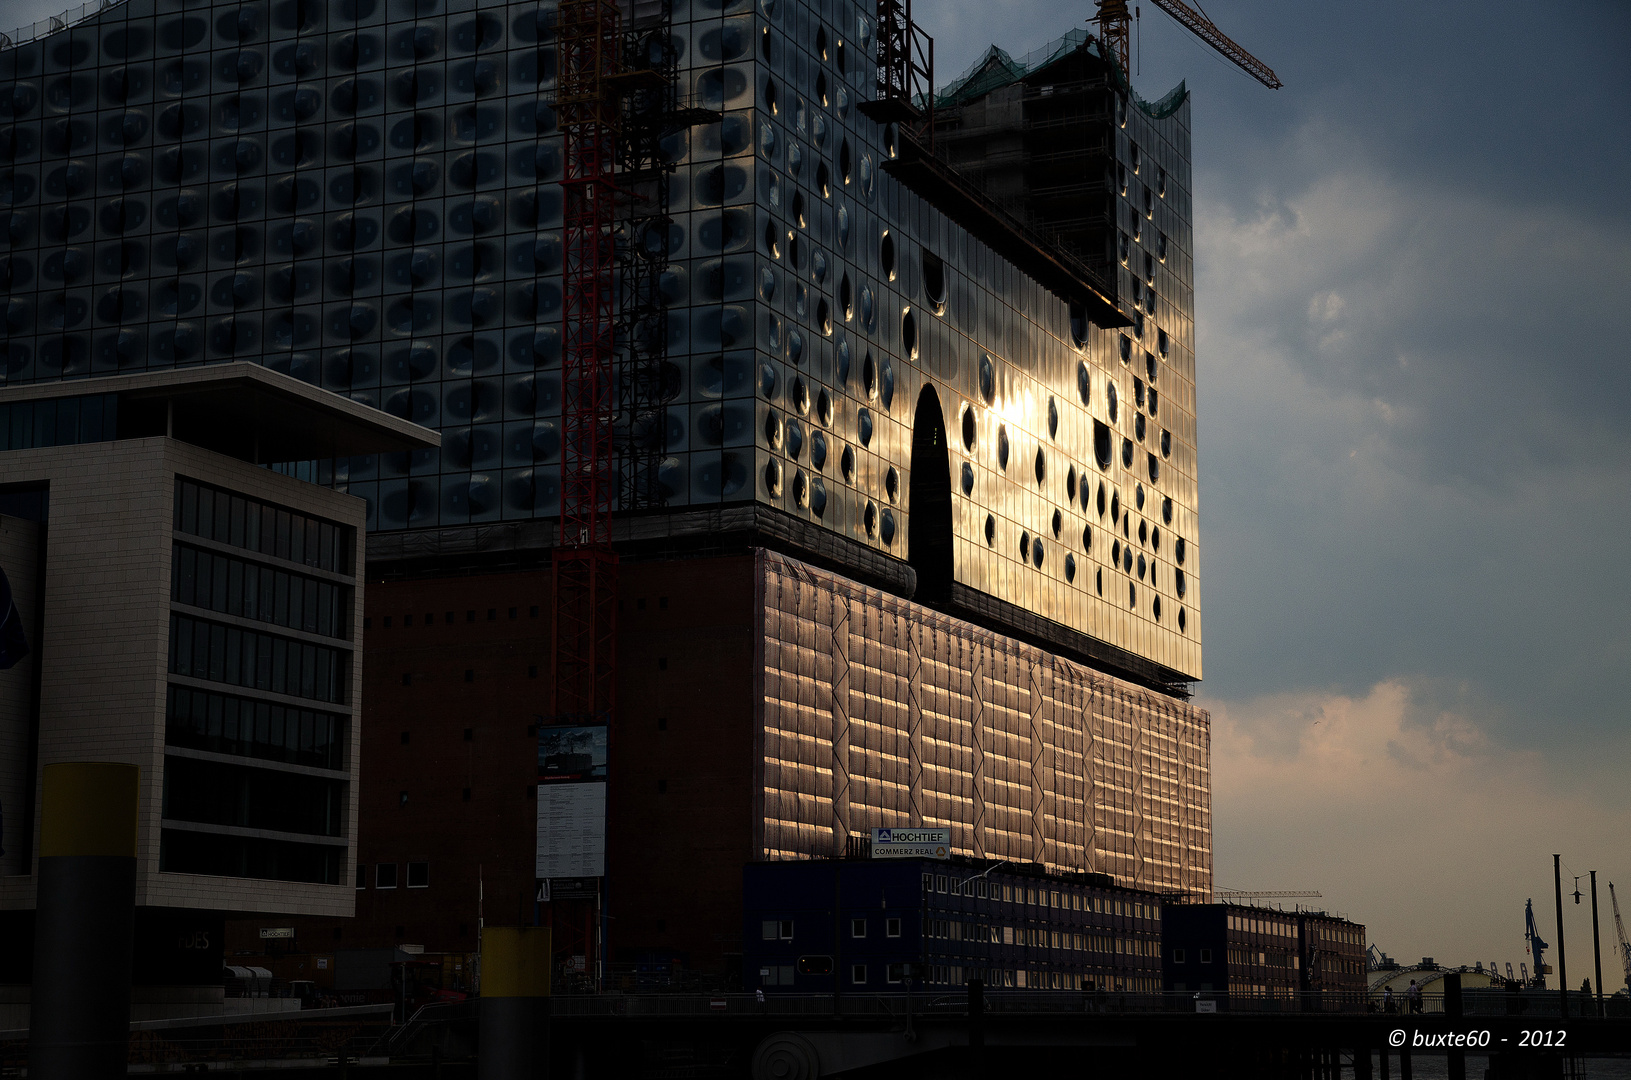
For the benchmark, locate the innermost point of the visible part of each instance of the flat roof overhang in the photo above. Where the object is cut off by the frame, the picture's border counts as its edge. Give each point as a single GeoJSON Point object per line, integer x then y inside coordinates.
{"type": "Point", "coordinates": [242, 410]}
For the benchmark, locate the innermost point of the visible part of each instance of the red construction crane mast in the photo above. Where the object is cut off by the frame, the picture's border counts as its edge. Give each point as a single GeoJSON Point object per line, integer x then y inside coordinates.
{"type": "Point", "coordinates": [616, 100]}
{"type": "Point", "coordinates": [585, 566]}
{"type": "Point", "coordinates": [584, 622]}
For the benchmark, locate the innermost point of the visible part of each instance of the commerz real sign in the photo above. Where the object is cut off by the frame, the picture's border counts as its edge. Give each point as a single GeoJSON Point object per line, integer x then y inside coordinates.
{"type": "Point", "coordinates": [911, 843]}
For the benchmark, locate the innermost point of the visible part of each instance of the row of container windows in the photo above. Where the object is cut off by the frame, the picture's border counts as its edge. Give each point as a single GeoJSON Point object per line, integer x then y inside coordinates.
{"type": "Point", "coordinates": [1054, 898]}
{"type": "Point", "coordinates": [1030, 937]}
{"type": "Point", "coordinates": [245, 589]}
{"type": "Point", "coordinates": [956, 974]}
{"type": "Point", "coordinates": [229, 518]}
{"type": "Point", "coordinates": [1327, 933]}
{"type": "Point", "coordinates": [1273, 927]}
{"type": "Point", "coordinates": [1260, 957]}
{"type": "Point", "coordinates": [222, 724]}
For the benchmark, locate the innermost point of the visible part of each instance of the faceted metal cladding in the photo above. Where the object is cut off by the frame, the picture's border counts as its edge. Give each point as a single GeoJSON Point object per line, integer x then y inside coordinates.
{"type": "Point", "coordinates": [880, 712]}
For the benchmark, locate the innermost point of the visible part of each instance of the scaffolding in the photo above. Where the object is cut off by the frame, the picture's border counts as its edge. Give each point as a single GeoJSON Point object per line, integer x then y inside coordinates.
{"type": "Point", "coordinates": [649, 105]}
{"type": "Point", "coordinates": [585, 567]}
{"type": "Point", "coordinates": [905, 86]}
{"type": "Point", "coordinates": [1035, 135]}
{"type": "Point", "coordinates": [617, 101]}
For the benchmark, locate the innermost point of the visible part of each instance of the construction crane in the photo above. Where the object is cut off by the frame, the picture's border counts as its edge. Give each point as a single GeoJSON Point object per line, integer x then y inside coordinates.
{"type": "Point", "coordinates": [616, 100]}
{"type": "Point", "coordinates": [584, 565]}
{"type": "Point", "coordinates": [1536, 948]}
{"type": "Point", "coordinates": [1115, 29]}
{"type": "Point", "coordinates": [1619, 929]}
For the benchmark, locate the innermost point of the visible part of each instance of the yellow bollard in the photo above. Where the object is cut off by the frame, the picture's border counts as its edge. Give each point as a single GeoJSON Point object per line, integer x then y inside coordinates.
{"type": "Point", "coordinates": [514, 1024]}
{"type": "Point", "coordinates": [84, 922]}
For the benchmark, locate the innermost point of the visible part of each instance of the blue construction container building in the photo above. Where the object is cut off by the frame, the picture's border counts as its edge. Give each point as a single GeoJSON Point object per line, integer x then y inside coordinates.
{"type": "Point", "coordinates": [870, 925]}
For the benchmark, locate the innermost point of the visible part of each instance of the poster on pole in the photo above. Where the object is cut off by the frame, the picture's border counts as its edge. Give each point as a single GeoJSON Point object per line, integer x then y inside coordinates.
{"type": "Point", "coordinates": [571, 830]}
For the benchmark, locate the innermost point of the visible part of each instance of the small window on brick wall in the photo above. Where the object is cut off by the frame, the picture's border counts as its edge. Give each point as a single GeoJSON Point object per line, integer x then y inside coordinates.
{"type": "Point", "coordinates": [419, 875]}
{"type": "Point", "coordinates": [385, 875]}
{"type": "Point", "coordinates": [362, 876]}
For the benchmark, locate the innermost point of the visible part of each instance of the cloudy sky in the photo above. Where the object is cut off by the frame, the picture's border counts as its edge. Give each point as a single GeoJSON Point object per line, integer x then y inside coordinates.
{"type": "Point", "coordinates": [1414, 266]}
{"type": "Point", "coordinates": [1413, 286]}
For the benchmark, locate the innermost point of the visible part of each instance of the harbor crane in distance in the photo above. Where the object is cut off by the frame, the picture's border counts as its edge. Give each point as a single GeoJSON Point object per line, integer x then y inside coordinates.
{"type": "Point", "coordinates": [1376, 959]}
{"type": "Point", "coordinates": [1115, 28]}
{"type": "Point", "coordinates": [1536, 948]}
{"type": "Point", "coordinates": [1619, 930]}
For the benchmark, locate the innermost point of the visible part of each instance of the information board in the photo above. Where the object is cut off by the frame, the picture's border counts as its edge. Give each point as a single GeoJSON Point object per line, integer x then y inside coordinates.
{"type": "Point", "coordinates": [571, 830]}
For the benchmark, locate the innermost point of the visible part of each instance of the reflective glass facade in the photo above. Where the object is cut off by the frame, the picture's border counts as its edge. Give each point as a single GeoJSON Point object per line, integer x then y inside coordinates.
{"type": "Point", "coordinates": [364, 193]}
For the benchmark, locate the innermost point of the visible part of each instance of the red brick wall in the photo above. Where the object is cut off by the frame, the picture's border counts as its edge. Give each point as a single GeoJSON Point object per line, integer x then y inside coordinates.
{"type": "Point", "coordinates": [675, 856]}
{"type": "Point", "coordinates": [681, 791]}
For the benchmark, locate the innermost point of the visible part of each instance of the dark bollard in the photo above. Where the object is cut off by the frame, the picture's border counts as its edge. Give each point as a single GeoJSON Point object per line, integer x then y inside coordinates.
{"type": "Point", "coordinates": [1404, 1066]}
{"type": "Point", "coordinates": [84, 923]}
{"type": "Point", "coordinates": [1456, 1062]}
{"type": "Point", "coordinates": [514, 1010]}
{"type": "Point", "coordinates": [976, 1027]}
{"type": "Point", "coordinates": [976, 1013]}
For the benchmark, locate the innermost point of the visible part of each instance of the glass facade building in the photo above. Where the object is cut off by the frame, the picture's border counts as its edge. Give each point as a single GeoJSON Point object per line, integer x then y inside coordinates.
{"type": "Point", "coordinates": [365, 195]}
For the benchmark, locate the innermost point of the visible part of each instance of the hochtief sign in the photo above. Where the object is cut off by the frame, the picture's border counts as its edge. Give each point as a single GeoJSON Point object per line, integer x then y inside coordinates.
{"type": "Point", "coordinates": [911, 843]}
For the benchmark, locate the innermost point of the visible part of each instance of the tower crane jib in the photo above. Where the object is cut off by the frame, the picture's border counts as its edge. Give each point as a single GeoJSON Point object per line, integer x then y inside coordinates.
{"type": "Point", "coordinates": [1115, 25]}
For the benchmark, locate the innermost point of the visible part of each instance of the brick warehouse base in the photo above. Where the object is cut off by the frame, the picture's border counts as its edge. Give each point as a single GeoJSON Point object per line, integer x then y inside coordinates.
{"type": "Point", "coordinates": [744, 681]}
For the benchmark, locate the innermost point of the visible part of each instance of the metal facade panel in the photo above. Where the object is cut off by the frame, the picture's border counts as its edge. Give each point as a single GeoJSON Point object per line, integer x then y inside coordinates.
{"type": "Point", "coordinates": [898, 715]}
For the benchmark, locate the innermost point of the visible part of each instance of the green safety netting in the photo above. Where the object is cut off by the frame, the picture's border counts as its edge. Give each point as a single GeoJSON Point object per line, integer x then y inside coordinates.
{"type": "Point", "coordinates": [996, 69]}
